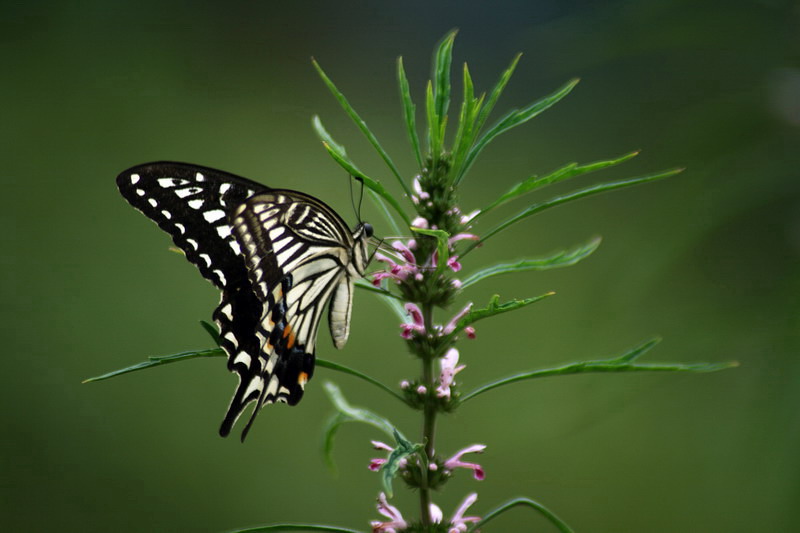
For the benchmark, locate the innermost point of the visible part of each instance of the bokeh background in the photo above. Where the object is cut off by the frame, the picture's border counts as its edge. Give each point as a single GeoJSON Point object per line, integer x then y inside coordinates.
{"type": "Point", "coordinates": [708, 260]}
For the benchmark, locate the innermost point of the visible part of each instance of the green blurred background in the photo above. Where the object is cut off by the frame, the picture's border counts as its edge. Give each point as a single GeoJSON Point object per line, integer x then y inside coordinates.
{"type": "Point", "coordinates": [707, 259]}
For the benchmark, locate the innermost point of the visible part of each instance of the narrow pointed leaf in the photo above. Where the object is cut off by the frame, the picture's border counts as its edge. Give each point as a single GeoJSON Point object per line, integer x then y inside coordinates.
{"type": "Point", "coordinates": [211, 330]}
{"type": "Point", "coordinates": [338, 153]}
{"type": "Point", "coordinates": [577, 195]}
{"type": "Point", "coordinates": [434, 148]}
{"type": "Point", "coordinates": [623, 363]}
{"type": "Point", "coordinates": [570, 170]}
{"type": "Point", "coordinates": [515, 118]}
{"type": "Point", "coordinates": [442, 246]}
{"type": "Point", "coordinates": [495, 308]}
{"type": "Point", "coordinates": [466, 123]}
{"type": "Point", "coordinates": [409, 112]}
{"type": "Point", "coordinates": [391, 300]}
{"type": "Point", "coordinates": [402, 450]}
{"type": "Point", "coordinates": [361, 125]}
{"type": "Point", "coordinates": [560, 259]}
{"type": "Point", "coordinates": [441, 74]}
{"type": "Point", "coordinates": [324, 363]}
{"type": "Point", "coordinates": [384, 210]}
{"type": "Point", "coordinates": [296, 527]}
{"type": "Point", "coordinates": [158, 360]}
{"type": "Point", "coordinates": [547, 513]}
{"type": "Point", "coordinates": [496, 92]}
{"type": "Point", "coordinates": [348, 413]}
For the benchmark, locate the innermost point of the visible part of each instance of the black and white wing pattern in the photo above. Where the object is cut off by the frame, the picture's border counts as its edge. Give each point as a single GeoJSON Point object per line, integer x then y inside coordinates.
{"type": "Point", "coordinates": [278, 256]}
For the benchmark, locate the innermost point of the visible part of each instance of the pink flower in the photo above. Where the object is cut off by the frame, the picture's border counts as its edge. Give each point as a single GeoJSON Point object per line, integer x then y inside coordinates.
{"type": "Point", "coordinates": [456, 462]}
{"type": "Point", "coordinates": [377, 463]}
{"type": "Point", "coordinates": [451, 326]}
{"type": "Point", "coordinates": [422, 195]}
{"type": "Point", "coordinates": [392, 513]}
{"type": "Point", "coordinates": [448, 373]}
{"type": "Point", "coordinates": [459, 521]}
{"type": "Point", "coordinates": [420, 222]}
{"type": "Point", "coordinates": [453, 263]}
{"type": "Point", "coordinates": [458, 524]}
{"type": "Point", "coordinates": [466, 219]}
{"type": "Point", "coordinates": [460, 237]}
{"type": "Point", "coordinates": [417, 323]}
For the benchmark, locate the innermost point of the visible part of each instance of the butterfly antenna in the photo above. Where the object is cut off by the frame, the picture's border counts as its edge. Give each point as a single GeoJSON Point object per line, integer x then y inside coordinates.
{"type": "Point", "coordinates": [360, 198]}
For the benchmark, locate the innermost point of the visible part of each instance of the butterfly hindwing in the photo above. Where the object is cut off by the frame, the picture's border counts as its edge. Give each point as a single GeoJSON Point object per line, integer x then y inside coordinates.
{"type": "Point", "coordinates": [296, 252]}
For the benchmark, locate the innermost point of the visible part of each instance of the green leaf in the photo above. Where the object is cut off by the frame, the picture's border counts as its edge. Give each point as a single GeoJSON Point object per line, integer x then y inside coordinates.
{"type": "Point", "coordinates": [409, 112]}
{"type": "Point", "coordinates": [567, 171]}
{"type": "Point", "coordinates": [361, 125]}
{"type": "Point", "coordinates": [622, 363]}
{"type": "Point", "coordinates": [465, 135]}
{"type": "Point", "coordinates": [559, 259]}
{"type": "Point", "coordinates": [494, 513]}
{"type": "Point", "coordinates": [403, 450]}
{"type": "Point", "coordinates": [296, 527]}
{"type": "Point", "coordinates": [442, 245]}
{"type": "Point", "coordinates": [158, 360]}
{"type": "Point", "coordinates": [577, 195]}
{"type": "Point", "coordinates": [393, 301]}
{"type": "Point", "coordinates": [338, 153]}
{"type": "Point", "coordinates": [381, 204]}
{"type": "Point", "coordinates": [324, 363]}
{"type": "Point", "coordinates": [513, 119]}
{"type": "Point", "coordinates": [441, 74]}
{"type": "Point", "coordinates": [495, 308]}
{"type": "Point", "coordinates": [496, 92]}
{"type": "Point", "coordinates": [434, 146]}
{"type": "Point", "coordinates": [348, 413]}
{"type": "Point", "coordinates": [211, 330]}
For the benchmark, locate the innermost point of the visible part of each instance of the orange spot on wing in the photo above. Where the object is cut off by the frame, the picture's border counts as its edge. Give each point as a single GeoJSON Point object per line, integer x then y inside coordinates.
{"type": "Point", "coordinates": [302, 379]}
{"type": "Point", "coordinates": [288, 332]}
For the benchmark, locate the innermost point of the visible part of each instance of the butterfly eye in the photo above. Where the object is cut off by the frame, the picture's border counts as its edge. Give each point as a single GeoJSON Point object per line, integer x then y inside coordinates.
{"type": "Point", "coordinates": [368, 230]}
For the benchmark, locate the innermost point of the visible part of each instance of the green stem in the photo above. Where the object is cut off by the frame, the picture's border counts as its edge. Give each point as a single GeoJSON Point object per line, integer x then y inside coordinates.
{"type": "Point", "coordinates": [429, 422]}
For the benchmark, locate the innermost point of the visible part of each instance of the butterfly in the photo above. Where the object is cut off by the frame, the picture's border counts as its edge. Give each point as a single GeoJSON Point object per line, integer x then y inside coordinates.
{"type": "Point", "coordinates": [278, 257]}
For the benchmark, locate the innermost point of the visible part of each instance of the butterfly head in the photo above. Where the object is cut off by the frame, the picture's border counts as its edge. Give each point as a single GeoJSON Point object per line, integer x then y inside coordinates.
{"type": "Point", "coordinates": [360, 253]}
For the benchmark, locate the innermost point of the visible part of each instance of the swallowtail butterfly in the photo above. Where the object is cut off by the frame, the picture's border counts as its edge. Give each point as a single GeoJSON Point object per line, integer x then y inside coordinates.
{"type": "Point", "coordinates": [278, 256]}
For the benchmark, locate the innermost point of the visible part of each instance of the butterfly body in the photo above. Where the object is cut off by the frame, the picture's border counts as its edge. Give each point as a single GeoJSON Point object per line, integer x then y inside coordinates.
{"type": "Point", "coordinates": [278, 256]}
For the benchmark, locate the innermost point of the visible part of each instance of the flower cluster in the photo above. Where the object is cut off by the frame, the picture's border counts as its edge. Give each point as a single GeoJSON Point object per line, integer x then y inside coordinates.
{"type": "Point", "coordinates": [458, 523]}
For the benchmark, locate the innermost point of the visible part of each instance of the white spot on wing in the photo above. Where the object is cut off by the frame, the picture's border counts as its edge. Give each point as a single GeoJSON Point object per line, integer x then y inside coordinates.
{"type": "Point", "coordinates": [206, 258]}
{"type": "Point", "coordinates": [231, 337]}
{"type": "Point", "coordinates": [166, 213]}
{"type": "Point", "coordinates": [228, 312]}
{"type": "Point", "coordinates": [224, 231]}
{"type": "Point", "coordinates": [192, 243]}
{"type": "Point", "coordinates": [224, 188]}
{"type": "Point", "coordinates": [134, 179]}
{"type": "Point", "coordinates": [196, 204]}
{"type": "Point", "coordinates": [200, 177]}
{"type": "Point", "coordinates": [214, 215]}
{"type": "Point", "coordinates": [235, 247]}
{"type": "Point", "coordinates": [188, 191]}
{"type": "Point", "coordinates": [152, 202]}
{"type": "Point", "coordinates": [180, 227]}
{"type": "Point", "coordinates": [140, 192]}
{"type": "Point", "coordinates": [221, 277]}
{"type": "Point", "coordinates": [242, 357]}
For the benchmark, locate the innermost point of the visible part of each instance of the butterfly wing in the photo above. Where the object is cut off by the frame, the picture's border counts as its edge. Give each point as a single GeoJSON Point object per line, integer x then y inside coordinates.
{"type": "Point", "coordinates": [297, 250]}
{"type": "Point", "coordinates": [194, 204]}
